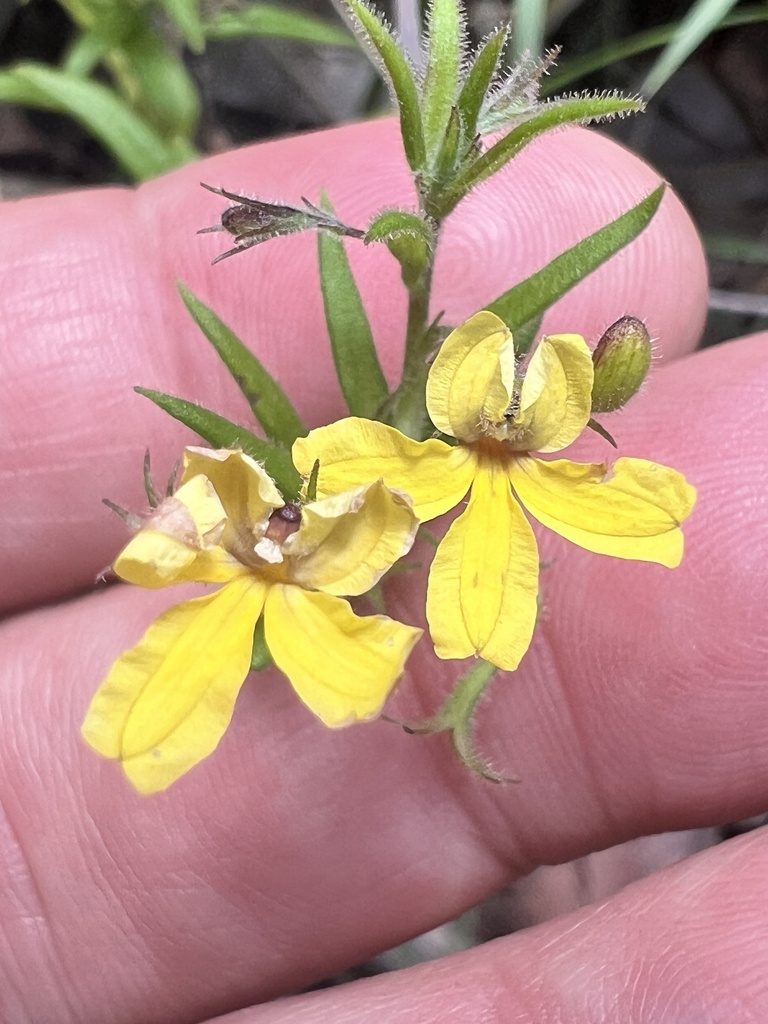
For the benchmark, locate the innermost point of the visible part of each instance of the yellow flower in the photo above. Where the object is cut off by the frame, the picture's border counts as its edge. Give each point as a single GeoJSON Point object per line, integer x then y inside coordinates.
{"type": "Point", "coordinates": [167, 701]}
{"type": "Point", "coordinates": [483, 584]}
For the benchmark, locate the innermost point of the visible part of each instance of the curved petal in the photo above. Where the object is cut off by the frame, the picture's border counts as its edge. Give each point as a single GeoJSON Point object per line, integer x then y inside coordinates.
{"type": "Point", "coordinates": [167, 701]}
{"type": "Point", "coordinates": [183, 531]}
{"type": "Point", "coordinates": [247, 492]}
{"type": "Point", "coordinates": [346, 543]}
{"type": "Point", "coordinates": [342, 666]}
{"type": "Point", "coordinates": [556, 395]}
{"type": "Point", "coordinates": [630, 510]}
{"type": "Point", "coordinates": [465, 386]}
{"type": "Point", "coordinates": [484, 579]}
{"type": "Point", "coordinates": [356, 451]}
{"type": "Point", "coordinates": [153, 559]}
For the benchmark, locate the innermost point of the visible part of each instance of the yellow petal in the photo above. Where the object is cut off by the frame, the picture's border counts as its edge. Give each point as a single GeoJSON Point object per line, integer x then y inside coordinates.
{"type": "Point", "coordinates": [179, 541]}
{"type": "Point", "coordinates": [247, 492]}
{"type": "Point", "coordinates": [483, 583]}
{"type": "Point", "coordinates": [465, 386]}
{"type": "Point", "coordinates": [343, 667]}
{"type": "Point", "coordinates": [356, 451]}
{"type": "Point", "coordinates": [346, 543]}
{"type": "Point", "coordinates": [630, 510]}
{"type": "Point", "coordinates": [556, 395]}
{"type": "Point", "coordinates": [153, 559]}
{"type": "Point", "coordinates": [167, 701]}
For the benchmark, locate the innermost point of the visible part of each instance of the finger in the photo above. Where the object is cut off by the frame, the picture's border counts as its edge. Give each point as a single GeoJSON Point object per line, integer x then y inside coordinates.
{"type": "Point", "coordinates": [639, 709]}
{"type": "Point", "coordinates": [89, 309]}
{"type": "Point", "coordinates": [686, 944]}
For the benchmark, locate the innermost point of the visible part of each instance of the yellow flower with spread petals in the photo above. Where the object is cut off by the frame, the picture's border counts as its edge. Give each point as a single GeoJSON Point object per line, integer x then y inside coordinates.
{"type": "Point", "coordinates": [167, 701]}
{"type": "Point", "coordinates": [483, 583]}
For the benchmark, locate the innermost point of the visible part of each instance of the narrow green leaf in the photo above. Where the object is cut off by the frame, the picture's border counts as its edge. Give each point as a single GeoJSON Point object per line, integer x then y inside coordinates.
{"type": "Point", "coordinates": [269, 403]}
{"type": "Point", "coordinates": [530, 20]}
{"type": "Point", "coordinates": [621, 49]}
{"type": "Point", "coordinates": [154, 80]}
{"type": "Point", "coordinates": [354, 351]}
{"type": "Point", "coordinates": [532, 297]}
{"type": "Point", "coordinates": [526, 334]}
{"type": "Point", "coordinates": [702, 18]}
{"type": "Point", "coordinates": [272, 21]}
{"type": "Point", "coordinates": [84, 55]}
{"type": "Point", "coordinates": [445, 36]}
{"type": "Point", "coordinates": [136, 147]}
{"type": "Point", "coordinates": [223, 433]}
{"type": "Point", "coordinates": [186, 16]}
{"type": "Point", "coordinates": [393, 64]}
{"type": "Point", "coordinates": [569, 110]}
{"type": "Point", "coordinates": [480, 78]}
{"type": "Point", "coordinates": [738, 249]}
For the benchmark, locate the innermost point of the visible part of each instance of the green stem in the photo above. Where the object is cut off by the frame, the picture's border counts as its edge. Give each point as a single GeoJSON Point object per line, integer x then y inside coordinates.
{"type": "Point", "coordinates": [408, 406]}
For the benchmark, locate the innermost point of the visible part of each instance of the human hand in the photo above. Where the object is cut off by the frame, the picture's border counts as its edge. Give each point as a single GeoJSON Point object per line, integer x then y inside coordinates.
{"type": "Point", "coordinates": [293, 852]}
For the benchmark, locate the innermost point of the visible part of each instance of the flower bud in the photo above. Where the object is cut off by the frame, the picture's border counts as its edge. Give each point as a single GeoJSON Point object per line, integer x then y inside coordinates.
{"type": "Point", "coordinates": [621, 360]}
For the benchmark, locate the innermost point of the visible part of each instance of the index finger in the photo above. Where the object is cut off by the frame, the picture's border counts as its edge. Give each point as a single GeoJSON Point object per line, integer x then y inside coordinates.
{"type": "Point", "coordinates": [89, 309]}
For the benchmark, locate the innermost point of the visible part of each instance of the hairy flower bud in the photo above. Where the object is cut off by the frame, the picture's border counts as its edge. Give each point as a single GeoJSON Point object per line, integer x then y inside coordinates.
{"type": "Point", "coordinates": [621, 360]}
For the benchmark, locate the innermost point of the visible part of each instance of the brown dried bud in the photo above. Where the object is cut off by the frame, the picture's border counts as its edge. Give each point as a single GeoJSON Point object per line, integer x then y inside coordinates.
{"type": "Point", "coordinates": [621, 359]}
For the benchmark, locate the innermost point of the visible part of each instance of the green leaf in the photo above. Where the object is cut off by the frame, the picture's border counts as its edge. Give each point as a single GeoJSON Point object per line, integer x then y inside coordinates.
{"type": "Point", "coordinates": [272, 21]}
{"type": "Point", "coordinates": [136, 147]}
{"type": "Point", "coordinates": [223, 433]}
{"type": "Point", "coordinates": [156, 83]}
{"type": "Point", "coordinates": [568, 110]}
{"type": "Point", "coordinates": [526, 334]}
{"type": "Point", "coordinates": [702, 18]}
{"type": "Point", "coordinates": [533, 297]}
{"type": "Point", "coordinates": [354, 351]}
{"type": "Point", "coordinates": [394, 66]}
{"type": "Point", "coordinates": [479, 79]}
{"type": "Point", "coordinates": [445, 35]}
{"type": "Point", "coordinates": [260, 656]}
{"type": "Point", "coordinates": [620, 49]}
{"type": "Point", "coordinates": [186, 16]}
{"type": "Point", "coordinates": [269, 403]}
{"type": "Point", "coordinates": [84, 55]}
{"type": "Point", "coordinates": [736, 248]}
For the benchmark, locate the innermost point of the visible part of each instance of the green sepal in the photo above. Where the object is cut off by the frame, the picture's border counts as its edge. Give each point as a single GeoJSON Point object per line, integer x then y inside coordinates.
{"type": "Point", "coordinates": [447, 159]}
{"type": "Point", "coordinates": [479, 79]}
{"type": "Point", "coordinates": [600, 429]}
{"type": "Point", "coordinates": [153, 498]}
{"type": "Point", "coordinates": [274, 21]}
{"type": "Point", "coordinates": [457, 716]}
{"type": "Point", "coordinates": [269, 403]}
{"type": "Point", "coordinates": [408, 237]}
{"type": "Point", "coordinates": [570, 110]}
{"type": "Point", "coordinates": [445, 52]}
{"type": "Point", "coordinates": [260, 656]}
{"type": "Point", "coordinates": [533, 297]}
{"type": "Point", "coordinates": [357, 364]}
{"type": "Point", "coordinates": [310, 493]}
{"type": "Point", "coordinates": [392, 62]}
{"type": "Point", "coordinates": [223, 433]}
